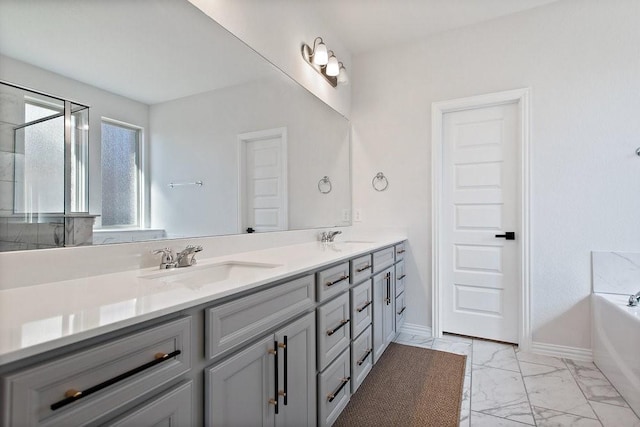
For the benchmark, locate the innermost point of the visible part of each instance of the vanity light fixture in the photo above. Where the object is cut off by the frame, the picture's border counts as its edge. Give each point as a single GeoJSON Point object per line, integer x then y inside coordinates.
{"type": "Point", "coordinates": [325, 62]}
{"type": "Point", "coordinates": [343, 78]}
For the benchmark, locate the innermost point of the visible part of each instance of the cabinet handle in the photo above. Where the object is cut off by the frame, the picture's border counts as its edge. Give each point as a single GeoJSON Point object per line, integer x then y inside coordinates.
{"type": "Point", "coordinates": [332, 396]}
{"type": "Point", "coordinates": [337, 281]}
{"type": "Point", "coordinates": [274, 401]}
{"type": "Point", "coordinates": [402, 311]}
{"type": "Point", "coordinates": [401, 251]}
{"type": "Point", "coordinates": [402, 277]}
{"type": "Point", "coordinates": [361, 361]}
{"type": "Point", "coordinates": [388, 299]}
{"type": "Point", "coordinates": [333, 331]}
{"type": "Point", "coordinates": [73, 395]}
{"type": "Point", "coordinates": [286, 369]}
{"type": "Point", "coordinates": [363, 308]}
{"type": "Point", "coordinates": [361, 269]}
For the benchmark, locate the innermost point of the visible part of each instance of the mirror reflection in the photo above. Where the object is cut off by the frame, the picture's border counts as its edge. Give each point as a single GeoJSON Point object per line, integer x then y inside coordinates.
{"type": "Point", "coordinates": [151, 121]}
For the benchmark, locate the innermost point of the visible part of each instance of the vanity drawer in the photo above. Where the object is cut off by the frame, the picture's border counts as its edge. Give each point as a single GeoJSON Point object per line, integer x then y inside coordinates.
{"type": "Point", "coordinates": [361, 307]}
{"type": "Point", "coordinates": [236, 322]}
{"type": "Point", "coordinates": [361, 268]}
{"type": "Point", "coordinates": [332, 281]}
{"type": "Point", "coordinates": [361, 358]}
{"type": "Point", "coordinates": [333, 389]}
{"type": "Point", "coordinates": [400, 278]}
{"type": "Point", "coordinates": [383, 259]}
{"type": "Point", "coordinates": [333, 329]}
{"type": "Point", "coordinates": [400, 251]}
{"type": "Point", "coordinates": [110, 375]}
{"type": "Point", "coordinates": [401, 306]}
{"type": "Point", "coordinates": [171, 408]}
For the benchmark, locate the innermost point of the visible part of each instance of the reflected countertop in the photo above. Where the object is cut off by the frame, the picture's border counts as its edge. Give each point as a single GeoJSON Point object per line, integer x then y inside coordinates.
{"type": "Point", "coordinates": [39, 318]}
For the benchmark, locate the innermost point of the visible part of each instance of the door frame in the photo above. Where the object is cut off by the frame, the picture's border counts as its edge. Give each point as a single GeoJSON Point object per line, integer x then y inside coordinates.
{"type": "Point", "coordinates": [243, 139]}
{"type": "Point", "coordinates": [521, 97]}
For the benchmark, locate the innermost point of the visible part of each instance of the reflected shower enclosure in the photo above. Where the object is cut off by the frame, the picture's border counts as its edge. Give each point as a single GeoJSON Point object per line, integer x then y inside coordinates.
{"type": "Point", "coordinates": [44, 144]}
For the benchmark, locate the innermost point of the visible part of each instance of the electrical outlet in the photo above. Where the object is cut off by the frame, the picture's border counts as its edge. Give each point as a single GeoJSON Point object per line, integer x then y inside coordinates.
{"type": "Point", "coordinates": [357, 215]}
{"type": "Point", "coordinates": [346, 215]}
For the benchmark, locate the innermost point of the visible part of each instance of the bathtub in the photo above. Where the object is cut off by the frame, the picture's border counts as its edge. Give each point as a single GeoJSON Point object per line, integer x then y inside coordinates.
{"type": "Point", "coordinates": [616, 344]}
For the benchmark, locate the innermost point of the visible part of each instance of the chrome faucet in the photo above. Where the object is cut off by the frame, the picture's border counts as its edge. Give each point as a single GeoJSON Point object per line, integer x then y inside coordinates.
{"type": "Point", "coordinates": [185, 258]}
{"type": "Point", "coordinates": [328, 236]}
{"type": "Point", "coordinates": [634, 299]}
{"type": "Point", "coordinates": [168, 258]}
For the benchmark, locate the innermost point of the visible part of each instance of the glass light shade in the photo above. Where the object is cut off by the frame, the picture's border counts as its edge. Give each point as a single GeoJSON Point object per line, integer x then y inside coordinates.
{"type": "Point", "coordinates": [343, 78]}
{"type": "Point", "coordinates": [333, 69]}
{"type": "Point", "coordinates": [320, 54]}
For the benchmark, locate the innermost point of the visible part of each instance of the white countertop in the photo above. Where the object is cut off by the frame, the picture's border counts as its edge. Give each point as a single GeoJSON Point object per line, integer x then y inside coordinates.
{"type": "Point", "coordinates": [36, 319]}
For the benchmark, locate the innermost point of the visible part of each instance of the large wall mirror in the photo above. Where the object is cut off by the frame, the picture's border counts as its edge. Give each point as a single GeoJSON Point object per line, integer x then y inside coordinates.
{"type": "Point", "coordinates": [130, 121]}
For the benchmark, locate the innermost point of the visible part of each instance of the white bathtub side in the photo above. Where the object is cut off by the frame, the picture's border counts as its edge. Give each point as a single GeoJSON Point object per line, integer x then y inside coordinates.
{"type": "Point", "coordinates": [616, 344]}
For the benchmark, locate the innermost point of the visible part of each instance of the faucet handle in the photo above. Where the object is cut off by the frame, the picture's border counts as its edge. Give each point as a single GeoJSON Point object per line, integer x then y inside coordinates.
{"type": "Point", "coordinates": [167, 254]}
{"type": "Point", "coordinates": [165, 251]}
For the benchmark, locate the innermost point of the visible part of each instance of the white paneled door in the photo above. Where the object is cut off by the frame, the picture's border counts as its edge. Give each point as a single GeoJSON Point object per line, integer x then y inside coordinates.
{"type": "Point", "coordinates": [480, 210]}
{"type": "Point", "coordinates": [264, 178]}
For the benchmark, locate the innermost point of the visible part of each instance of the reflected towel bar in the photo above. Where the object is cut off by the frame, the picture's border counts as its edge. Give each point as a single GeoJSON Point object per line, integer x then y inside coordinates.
{"type": "Point", "coordinates": [180, 184]}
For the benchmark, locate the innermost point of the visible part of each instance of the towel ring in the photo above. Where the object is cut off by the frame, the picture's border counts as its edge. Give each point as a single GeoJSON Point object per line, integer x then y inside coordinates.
{"type": "Point", "coordinates": [324, 185]}
{"type": "Point", "coordinates": [380, 182]}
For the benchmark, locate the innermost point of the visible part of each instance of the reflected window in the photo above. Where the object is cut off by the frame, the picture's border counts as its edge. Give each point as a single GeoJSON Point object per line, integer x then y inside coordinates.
{"type": "Point", "coordinates": [121, 201]}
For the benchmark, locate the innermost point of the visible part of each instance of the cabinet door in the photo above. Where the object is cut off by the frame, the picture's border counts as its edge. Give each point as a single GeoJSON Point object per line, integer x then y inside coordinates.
{"type": "Point", "coordinates": [388, 308]}
{"type": "Point", "coordinates": [379, 293]}
{"type": "Point", "coordinates": [172, 408]}
{"type": "Point", "coordinates": [383, 311]}
{"type": "Point", "coordinates": [297, 373]}
{"type": "Point", "coordinates": [238, 391]}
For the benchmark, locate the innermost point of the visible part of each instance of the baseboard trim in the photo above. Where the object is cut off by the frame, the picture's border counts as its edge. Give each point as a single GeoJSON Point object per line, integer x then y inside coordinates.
{"type": "Point", "coordinates": [417, 330]}
{"type": "Point", "coordinates": [562, 351]}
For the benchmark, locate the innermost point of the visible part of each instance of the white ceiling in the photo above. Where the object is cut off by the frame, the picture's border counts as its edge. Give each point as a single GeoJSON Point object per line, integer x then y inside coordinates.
{"type": "Point", "coordinates": [365, 25]}
{"type": "Point", "coordinates": [113, 48]}
{"type": "Point", "coordinates": [147, 50]}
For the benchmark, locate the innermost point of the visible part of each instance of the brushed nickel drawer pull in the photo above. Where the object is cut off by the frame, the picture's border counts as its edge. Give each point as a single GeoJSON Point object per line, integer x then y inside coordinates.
{"type": "Point", "coordinates": [363, 308]}
{"type": "Point", "coordinates": [73, 395]}
{"type": "Point", "coordinates": [402, 311]}
{"type": "Point", "coordinates": [401, 251]}
{"type": "Point", "coordinates": [337, 281]}
{"type": "Point", "coordinates": [361, 269]}
{"type": "Point", "coordinates": [334, 330]}
{"type": "Point", "coordinates": [402, 277]}
{"type": "Point", "coordinates": [361, 361]}
{"type": "Point", "coordinates": [332, 396]}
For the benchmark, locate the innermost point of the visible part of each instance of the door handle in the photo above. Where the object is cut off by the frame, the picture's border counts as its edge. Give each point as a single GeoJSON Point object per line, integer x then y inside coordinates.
{"type": "Point", "coordinates": [509, 235]}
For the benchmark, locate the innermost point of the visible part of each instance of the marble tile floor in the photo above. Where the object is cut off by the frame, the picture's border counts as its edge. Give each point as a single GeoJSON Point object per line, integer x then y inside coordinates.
{"type": "Point", "coordinates": [506, 387]}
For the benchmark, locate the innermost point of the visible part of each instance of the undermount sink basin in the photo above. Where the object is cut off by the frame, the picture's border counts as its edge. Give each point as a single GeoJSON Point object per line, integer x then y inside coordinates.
{"type": "Point", "coordinates": [356, 241]}
{"type": "Point", "coordinates": [199, 275]}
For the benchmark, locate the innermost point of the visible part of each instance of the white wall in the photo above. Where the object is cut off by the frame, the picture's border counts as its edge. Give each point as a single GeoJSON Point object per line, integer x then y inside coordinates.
{"type": "Point", "coordinates": [582, 62]}
{"type": "Point", "coordinates": [196, 138]}
{"type": "Point", "coordinates": [277, 29]}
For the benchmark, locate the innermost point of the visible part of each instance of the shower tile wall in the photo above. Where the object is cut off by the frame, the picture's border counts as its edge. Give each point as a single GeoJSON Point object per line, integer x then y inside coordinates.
{"type": "Point", "coordinates": [616, 272]}
{"type": "Point", "coordinates": [53, 232]}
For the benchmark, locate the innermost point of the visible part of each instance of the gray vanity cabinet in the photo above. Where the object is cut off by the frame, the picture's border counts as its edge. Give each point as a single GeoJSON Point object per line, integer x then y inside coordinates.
{"type": "Point", "coordinates": [90, 384]}
{"type": "Point", "coordinates": [383, 311]}
{"type": "Point", "coordinates": [249, 388]}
